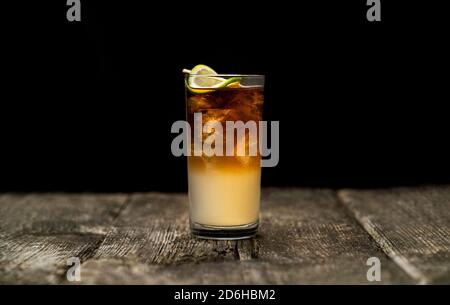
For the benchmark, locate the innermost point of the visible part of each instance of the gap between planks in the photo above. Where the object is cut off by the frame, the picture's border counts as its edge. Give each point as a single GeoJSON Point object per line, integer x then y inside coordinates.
{"type": "Point", "coordinates": [90, 252]}
{"type": "Point", "coordinates": [383, 243]}
{"type": "Point", "coordinates": [246, 249]}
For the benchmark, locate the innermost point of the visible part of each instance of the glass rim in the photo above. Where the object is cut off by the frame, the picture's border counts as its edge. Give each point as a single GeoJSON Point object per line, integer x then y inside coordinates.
{"type": "Point", "coordinates": [226, 75]}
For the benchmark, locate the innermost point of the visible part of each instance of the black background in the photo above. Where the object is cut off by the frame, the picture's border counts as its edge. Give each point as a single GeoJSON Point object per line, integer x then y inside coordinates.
{"type": "Point", "coordinates": [87, 106]}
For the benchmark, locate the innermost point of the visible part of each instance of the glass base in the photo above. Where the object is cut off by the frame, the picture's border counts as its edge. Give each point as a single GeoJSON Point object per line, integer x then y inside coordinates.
{"type": "Point", "coordinates": [224, 233]}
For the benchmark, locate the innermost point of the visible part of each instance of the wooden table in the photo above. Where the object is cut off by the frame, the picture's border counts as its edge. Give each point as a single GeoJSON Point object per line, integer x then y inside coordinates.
{"type": "Point", "coordinates": [307, 236]}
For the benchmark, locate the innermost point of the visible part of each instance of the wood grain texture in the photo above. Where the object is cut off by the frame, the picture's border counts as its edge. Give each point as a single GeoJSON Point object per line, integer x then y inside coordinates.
{"type": "Point", "coordinates": [45, 213]}
{"type": "Point", "coordinates": [412, 225]}
{"type": "Point", "coordinates": [39, 232]}
{"type": "Point", "coordinates": [305, 237]}
{"type": "Point", "coordinates": [154, 229]}
{"type": "Point", "coordinates": [307, 232]}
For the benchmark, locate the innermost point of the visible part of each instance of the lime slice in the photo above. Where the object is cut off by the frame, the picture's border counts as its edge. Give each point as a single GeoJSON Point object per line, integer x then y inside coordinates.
{"type": "Point", "coordinates": [201, 79]}
{"type": "Point", "coordinates": [202, 70]}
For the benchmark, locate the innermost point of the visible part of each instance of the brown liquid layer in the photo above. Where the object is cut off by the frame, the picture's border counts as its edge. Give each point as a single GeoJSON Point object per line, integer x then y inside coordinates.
{"type": "Point", "coordinates": [221, 105]}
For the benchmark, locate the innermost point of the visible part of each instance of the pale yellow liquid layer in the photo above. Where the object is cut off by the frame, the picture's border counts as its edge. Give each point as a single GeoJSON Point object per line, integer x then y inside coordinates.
{"type": "Point", "coordinates": [224, 198]}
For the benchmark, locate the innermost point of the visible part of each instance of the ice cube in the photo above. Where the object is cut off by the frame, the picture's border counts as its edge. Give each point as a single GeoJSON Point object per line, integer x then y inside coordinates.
{"type": "Point", "coordinates": [247, 142]}
{"type": "Point", "coordinates": [219, 115]}
{"type": "Point", "coordinates": [197, 103]}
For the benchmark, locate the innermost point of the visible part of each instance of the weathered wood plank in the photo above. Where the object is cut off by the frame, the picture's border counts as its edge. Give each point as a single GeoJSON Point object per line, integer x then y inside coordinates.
{"type": "Point", "coordinates": [412, 225]}
{"type": "Point", "coordinates": [306, 237]}
{"type": "Point", "coordinates": [307, 232]}
{"type": "Point", "coordinates": [41, 259]}
{"type": "Point", "coordinates": [46, 213]}
{"type": "Point", "coordinates": [39, 232]}
{"type": "Point", "coordinates": [154, 228]}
